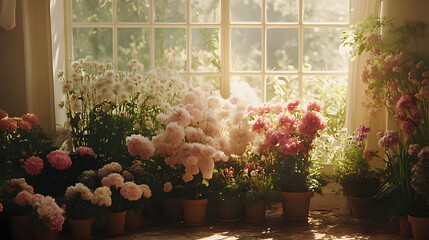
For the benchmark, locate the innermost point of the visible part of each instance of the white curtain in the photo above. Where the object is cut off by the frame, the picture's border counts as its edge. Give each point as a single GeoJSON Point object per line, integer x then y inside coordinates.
{"type": "Point", "coordinates": [356, 113]}
{"type": "Point", "coordinates": [7, 14]}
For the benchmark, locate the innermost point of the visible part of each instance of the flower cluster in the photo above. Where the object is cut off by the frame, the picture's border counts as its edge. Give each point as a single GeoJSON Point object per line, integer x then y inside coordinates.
{"type": "Point", "coordinates": [102, 197]}
{"type": "Point", "coordinates": [33, 165]}
{"type": "Point", "coordinates": [59, 160]}
{"type": "Point", "coordinates": [140, 146]}
{"type": "Point", "coordinates": [50, 213]}
{"type": "Point", "coordinates": [84, 151]}
{"type": "Point", "coordinates": [285, 133]}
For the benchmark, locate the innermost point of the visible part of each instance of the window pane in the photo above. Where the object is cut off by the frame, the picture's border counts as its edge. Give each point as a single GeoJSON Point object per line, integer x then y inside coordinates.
{"type": "Point", "coordinates": [170, 47]}
{"type": "Point", "coordinates": [205, 11]}
{"type": "Point", "coordinates": [92, 11]}
{"type": "Point", "coordinates": [247, 87]}
{"type": "Point", "coordinates": [245, 11]}
{"type": "Point", "coordinates": [282, 88]}
{"type": "Point", "coordinates": [132, 11]}
{"type": "Point", "coordinates": [282, 49]}
{"type": "Point", "coordinates": [326, 11]}
{"type": "Point", "coordinates": [331, 92]}
{"type": "Point", "coordinates": [133, 43]}
{"type": "Point", "coordinates": [96, 42]}
{"type": "Point", "coordinates": [210, 83]}
{"type": "Point", "coordinates": [205, 50]}
{"type": "Point", "coordinates": [321, 49]}
{"type": "Point", "coordinates": [285, 11]}
{"type": "Point", "coordinates": [170, 11]}
{"type": "Point", "coordinates": [246, 49]}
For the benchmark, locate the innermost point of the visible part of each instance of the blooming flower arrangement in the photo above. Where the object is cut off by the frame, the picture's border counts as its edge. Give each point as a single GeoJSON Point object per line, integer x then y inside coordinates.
{"type": "Point", "coordinates": [351, 166]}
{"type": "Point", "coordinates": [285, 135]}
{"type": "Point", "coordinates": [396, 76]}
{"type": "Point", "coordinates": [257, 184]}
{"type": "Point", "coordinates": [79, 202]}
{"type": "Point", "coordinates": [227, 183]}
{"type": "Point", "coordinates": [420, 181]}
{"type": "Point", "coordinates": [104, 105]}
{"type": "Point", "coordinates": [22, 143]}
{"type": "Point", "coordinates": [47, 213]}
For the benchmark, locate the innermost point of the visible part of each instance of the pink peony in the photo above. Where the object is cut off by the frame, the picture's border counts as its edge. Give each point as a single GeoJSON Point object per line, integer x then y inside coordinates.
{"type": "Point", "coordinates": [24, 125]}
{"type": "Point", "coordinates": [291, 106]}
{"type": "Point", "coordinates": [3, 114]}
{"type": "Point", "coordinates": [313, 106]}
{"type": "Point", "coordinates": [82, 151]}
{"type": "Point", "coordinates": [131, 191]}
{"type": "Point", "coordinates": [23, 198]}
{"type": "Point", "coordinates": [113, 179]}
{"type": "Point", "coordinates": [33, 119]}
{"type": "Point", "coordinates": [59, 160]}
{"type": "Point", "coordinates": [34, 165]}
{"type": "Point", "coordinates": [388, 139]}
{"type": "Point", "coordinates": [168, 187]}
{"type": "Point", "coordinates": [406, 101]}
{"type": "Point", "coordinates": [8, 124]}
{"type": "Point", "coordinates": [310, 123]}
{"type": "Point", "coordinates": [140, 146]}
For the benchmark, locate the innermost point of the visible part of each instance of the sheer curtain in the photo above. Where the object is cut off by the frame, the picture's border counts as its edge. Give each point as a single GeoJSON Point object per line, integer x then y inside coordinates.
{"type": "Point", "coordinates": [7, 14]}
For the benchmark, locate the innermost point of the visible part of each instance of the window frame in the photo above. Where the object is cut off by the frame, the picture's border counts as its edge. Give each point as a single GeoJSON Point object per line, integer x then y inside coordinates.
{"type": "Point", "coordinates": [225, 26]}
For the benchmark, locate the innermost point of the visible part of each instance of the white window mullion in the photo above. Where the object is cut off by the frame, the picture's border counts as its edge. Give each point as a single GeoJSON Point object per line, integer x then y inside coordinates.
{"type": "Point", "coordinates": [225, 45]}
{"type": "Point", "coordinates": [152, 34]}
{"type": "Point", "coordinates": [300, 50]}
{"type": "Point", "coordinates": [264, 50]}
{"type": "Point", "coordinates": [188, 41]}
{"type": "Point", "coordinates": [115, 34]}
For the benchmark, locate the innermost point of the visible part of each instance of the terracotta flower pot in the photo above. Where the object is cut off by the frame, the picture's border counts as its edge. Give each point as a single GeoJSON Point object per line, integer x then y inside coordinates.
{"type": "Point", "coordinates": [229, 212]}
{"type": "Point", "coordinates": [81, 228]}
{"type": "Point", "coordinates": [405, 227]}
{"type": "Point", "coordinates": [296, 205]}
{"type": "Point", "coordinates": [116, 222]}
{"type": "Point", "coordinates": [133, 220]}
{"type": "Point", "coordinates": [255, 212]}
{"type": "Point", "coordinates": [361, 206]}
{"type": "Point", "coordinates": [173, 209]}
{"type": "Point", "coordinates": [420, 227]}
{"type": "Point", "coordinates": [45, 234]}
{"type": "Point", "coordinates": [194, 212]}
{"type": "Point", "coordinates": [19, 228]}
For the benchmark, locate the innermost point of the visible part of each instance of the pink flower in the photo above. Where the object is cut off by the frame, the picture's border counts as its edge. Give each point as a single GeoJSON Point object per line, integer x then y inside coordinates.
{"type": "Point", "coordinates": [361, 133]}
{"type": "Point", "coordinates": [181, 116]}
{"type": "Point", "coordinates": [113, 180]}
{"type": "Point", "coordinates": [24, 125]}
{"type": "Point", "coordinates": [131, 191]}
{"type": "Point", "coordinates": [413, 149]}
{"type": "Point", "coordinates": [175, 134]}
{"type": "Point", "coordinates": [147, 193]}
{"type": "Point", "coordinates": [406, 101]}
{"type": "Point", "coordinates": [259, 125]}
{"type": "Point", "coordinates": [313, 106]}
{"type": "Point", "coordinates": [291, 146]}
{"type": "Point", "coordinates": [18, 185]}
{"type": "Point", "coordinates": [82, 151]}
{"type": "Point", "coordinates": [33, 119]}
{"type": "Point", "coordinates": [23, 198]}
{"type": "Point", "coordinates": [3, 114]}
{"type": "Point", "coordinates": [278, 108]}
{"type": "Point", "coordinates": [168, 187]}
{"type": "Point", "coordinates": [310, 123]}
{"type": "Point", "coordinates": [50, 213]}
{"type": "Point", "coordinates": [286, 122]}
{"type": "Point", "coordinates": [369, 153]}
{"type": "Point", "coordinates": [34, 165]}
{"type": "Point", "coordinates": [1, 204]}
{"type": "Point", "coordinates": [408, 127]}
{"type": "Point", "coordinates": [140, 146]}
{"type": "Point", "coordinates": [8, 124]}
{"type": "Point", "coordinates": [291, 106]}
{"type": "Point", "coordinates": [424, 153]}
{"type": "Point", "coordinates": [59, 160]}
{"type": "Point", "coordinates": [388, 139]}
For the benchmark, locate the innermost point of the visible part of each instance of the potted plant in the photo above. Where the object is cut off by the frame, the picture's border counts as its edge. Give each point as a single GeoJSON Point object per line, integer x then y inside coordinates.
{"type": "Point", "coordinates": [80, 210]}
{"type": "Point", "coordinates": [285, 136]}
{"type": "Point", "coordinates": [47, 216]}
{"type": "Point", "coordinates": [228, 189]}
{"type": "Point", "coordinates": [396, 77]}
{"type": "Point", "coordinates": [259, 192]}
{"type": "Point", "coordinates": [359, 182]}
{"type": "Point", "coordinates": [134, 195]}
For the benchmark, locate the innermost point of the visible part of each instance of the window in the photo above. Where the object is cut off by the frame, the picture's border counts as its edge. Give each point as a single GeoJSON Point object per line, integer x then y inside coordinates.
{"type": "Point", "coordinates": [267, 49]}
